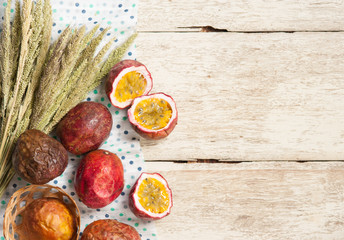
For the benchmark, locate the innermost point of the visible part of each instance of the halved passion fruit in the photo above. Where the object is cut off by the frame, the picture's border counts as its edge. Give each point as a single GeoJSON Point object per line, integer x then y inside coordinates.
{"type": "Point", "coordinates": [151, 197]}
{"type": "Point", "coordinates": [153, 116]}
{"type": "Point", "coordinates": [127, 80]}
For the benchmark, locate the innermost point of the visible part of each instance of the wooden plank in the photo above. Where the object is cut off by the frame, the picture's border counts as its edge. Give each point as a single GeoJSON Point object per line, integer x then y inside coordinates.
{"type": "Point", "coordinates": [242, 15]}
{"type": "Point", "coordinates": [253, 201]}
{"type": "Point", "coordinates": [248, 97]}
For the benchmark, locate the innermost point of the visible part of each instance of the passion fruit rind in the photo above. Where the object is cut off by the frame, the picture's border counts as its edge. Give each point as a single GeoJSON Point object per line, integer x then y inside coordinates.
{"type": "Point", "coordinates": [117, 73]}
{"type": "Point", "coordinates": [109, 229]}
{"type": "Point", "coordinates": [154, 134]}
{"type": "Point", "coordinates": [135, 205]}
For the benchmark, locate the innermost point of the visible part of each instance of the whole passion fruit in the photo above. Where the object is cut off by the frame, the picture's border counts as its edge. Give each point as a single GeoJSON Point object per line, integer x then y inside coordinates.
{"type": "Point", "coordinates": [38, 158]}
{"type": "Point", "coordinates": [85, 127]}
{"type": "Point", "coordinates": [151, 197]}
{"type": "Point", "coordinates": [99, 179]}
{"type": "Point", "coordinates": [153, 116]}
{"type": "Point", "coordinates": [49, 219]}
{"type": "Point", "coordinates": [109, 229]}
{"type": "Point", "coordinates": [127, 80]}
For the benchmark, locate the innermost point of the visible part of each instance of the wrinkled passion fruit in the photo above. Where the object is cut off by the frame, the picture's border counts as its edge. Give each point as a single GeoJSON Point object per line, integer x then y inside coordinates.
{"type": "Point", "coordinates": [109, 229]}
{"type": "Point", "coordinates": [153, 116]}
{"type": "Point", "coordinates": [49, 219]}
{"type": "Point", "coordinates": [85, 127]}
{"type": "Point", "coordinates": [99, 178]}
{"type": "Point", "coordinates": [39, 158]}
{"type": "Point", "coordinates": [151, 197]}
{"type": "Point", "coordinates": [127, 80]}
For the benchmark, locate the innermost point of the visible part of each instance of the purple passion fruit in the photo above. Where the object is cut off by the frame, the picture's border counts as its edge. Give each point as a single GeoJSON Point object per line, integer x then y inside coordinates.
{"type": "Point", "coordinates": [153, 116]}
{"type": "Point", "coordinates": [85, 127]}
{"type": "Point", "coordinates": [127, 80]}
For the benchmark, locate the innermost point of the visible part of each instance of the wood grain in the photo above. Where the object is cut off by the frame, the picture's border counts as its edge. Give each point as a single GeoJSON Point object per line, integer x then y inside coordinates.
{"type": "Point", "coordinates": [242, 15]}
{"type": "Point", "coordinates": [249, 97]}
{"type": "Point", "coordinates": [253, 201]}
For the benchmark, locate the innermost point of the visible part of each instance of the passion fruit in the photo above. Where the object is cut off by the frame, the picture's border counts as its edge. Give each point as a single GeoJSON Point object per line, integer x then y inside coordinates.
{"type": "Point", "coordinates": [109, 229]}
{"type": "Point", "coordinates": [38, 158]}
{"type": "Point", "coordinates": [99, 179]}
{"type": "Point", "coordinates": [153, 116]}
{"type": "Point", "coordinates": [49, 219]}
{"type": "Point", "coordinates": [127, 80]}
{"type": "Point", "coordinates": [85, 127]}
{"type": "Point", "coordinates": [151, 197]}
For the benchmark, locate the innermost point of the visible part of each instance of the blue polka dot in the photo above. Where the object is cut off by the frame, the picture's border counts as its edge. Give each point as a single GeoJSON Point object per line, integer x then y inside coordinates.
{"type": "Point", "coordinates": [61, 2]}
{"type": "Point", "coordinates": [72, 193]}
{"type": "Point", "coordinates": [72, 159]}
{"type": "Point", "coordinates": [106, 215]}
{"type": "Point", "coordinates": [83, 211]}
{"type": "Point", "coordinates": [122, 22]}
{"type": "Point", "coordinates": [89, 19]}
{"type": "Point", "coordinates": [55, 182]}
{"type": "Point", "coordinates": [125, 206]}
{"type": "Point", "coordinates": [95, 22]}
{"type": "Point", "coordinates": [91, 216]}
{"type": "Point", "coordinates": [118, 139]}
{"type": "Point", "coordinates": [64, 187]}
{"type": "Point", "coordinates": [132, 145]}
{"type": "Point", "coordinates": [122, 157]}
{"type": "Point", "coordinates": [130, 53]}
{"type": "Point", "coordinates": [101, 29]}
{"type": "Point", "coordinates": [116, 40]}
{"type": "Point", "coordinates": [77, 4]}
{"type": "Point", "coordinates": [14, 185]}
{"type": "Point", "coordinates": [98, 210]}
{"type": "Point", "coordinates": [122, 193]}
{"type": "Point", "coordinates": [88, 99]}
{"type": "Point", "coordinates": [74, 17]}
{"type": "Point", "coordinates": [83, 11]}
{"type": "Point", "coordinates": [54, 24]}
{"type": "Point", "coordinates": [126, 132]}
{"type": "Point", "coordinates": [126, 10]}
{"type": "Point", "coordinates": [73, 172]}
{"type": "Point", "coordinates": [118, 126]}
{"type": "Point", "coordinates": [133, 138]}
{"type": "Point", "coordinates": [108, 34]}
{"type": "Point", "coordinates": [131, 17]}
{"type": "Point", "coordinates": [139, 168]}
{"type": "Point", "coordinates": [120, 5]}
{"type": "Point", "coordinates": [131, 162]}
{"type": "Point", "coordinates": [59, 31]}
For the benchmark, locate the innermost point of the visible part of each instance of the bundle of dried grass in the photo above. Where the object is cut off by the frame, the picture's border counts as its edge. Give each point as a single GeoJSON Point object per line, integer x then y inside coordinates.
{"type": "Point", "coordinates": [39, 81]}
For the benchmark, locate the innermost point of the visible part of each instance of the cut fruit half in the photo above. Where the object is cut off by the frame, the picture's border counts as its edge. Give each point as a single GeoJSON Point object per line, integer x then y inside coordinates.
{"type": "Point", "coordinates": [151, 197]}
{"type": "Point", "coordinates": [127, 80]}
{"type": "Point", "coordinates": [153, 116]}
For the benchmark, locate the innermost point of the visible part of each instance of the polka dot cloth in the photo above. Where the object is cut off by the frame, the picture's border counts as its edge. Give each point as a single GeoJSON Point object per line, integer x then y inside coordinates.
{"type": "Point", "coordinates": [121, 17]}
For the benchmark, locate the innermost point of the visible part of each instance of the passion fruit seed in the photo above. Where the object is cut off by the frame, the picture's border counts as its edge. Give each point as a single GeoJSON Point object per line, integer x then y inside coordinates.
{"type": "Point", "coordinates": [132, 85]}
{"type": "Point", "coordinates": [153, 113]}
{"type": "Point", "coordinates": [153, 196]}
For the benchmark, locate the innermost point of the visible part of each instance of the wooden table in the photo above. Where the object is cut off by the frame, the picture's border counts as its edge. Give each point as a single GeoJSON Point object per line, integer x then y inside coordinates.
{"type": "Point", "coordinates": [258, 151]}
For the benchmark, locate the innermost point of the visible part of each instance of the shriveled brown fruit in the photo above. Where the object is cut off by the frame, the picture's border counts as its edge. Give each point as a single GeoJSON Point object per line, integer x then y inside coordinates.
{"type": "Point", "coordinates": [109, 229]}
{"type": "Point", "coordinates": [39, 158]}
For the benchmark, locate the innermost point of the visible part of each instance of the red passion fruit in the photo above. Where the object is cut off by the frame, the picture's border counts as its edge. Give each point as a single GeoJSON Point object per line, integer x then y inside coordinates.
{"type": "Point", "coordinates": [153, 116]}
{"type": "Point", "coordinates": [85, 127]}
{"type": "Point", "coordinates": [151, 197]}
{"type": "Point", "coordinates": [99, 179]}
{"type": "Point", "coordinates": [109, 229]}
{"type": "Point", "coordinates": [127, 80]}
